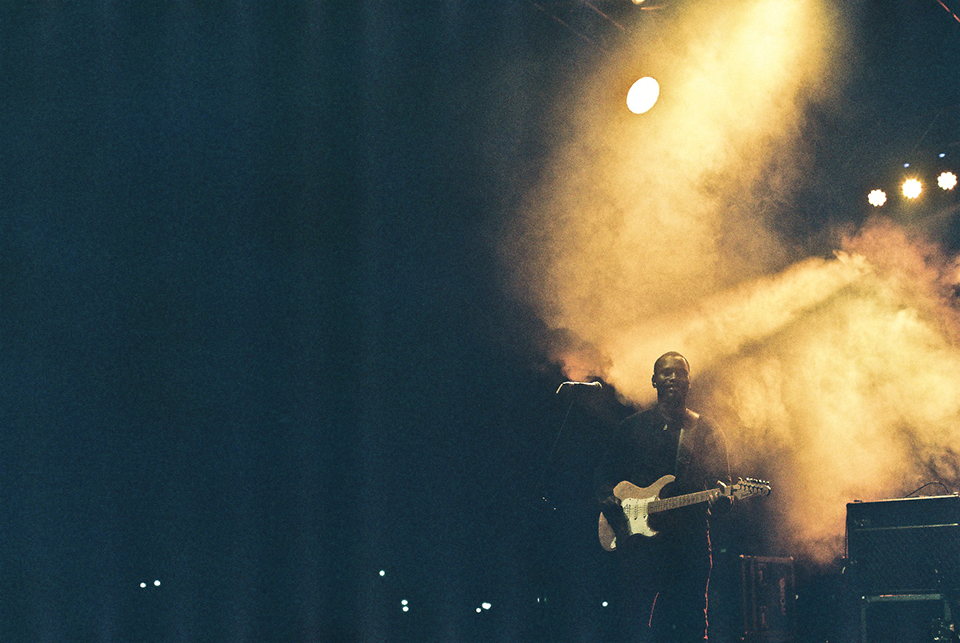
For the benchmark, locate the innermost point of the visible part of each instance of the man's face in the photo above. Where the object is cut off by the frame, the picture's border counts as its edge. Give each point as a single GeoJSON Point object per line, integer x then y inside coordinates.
{"type": "Point", "coordinates": [671, 378]}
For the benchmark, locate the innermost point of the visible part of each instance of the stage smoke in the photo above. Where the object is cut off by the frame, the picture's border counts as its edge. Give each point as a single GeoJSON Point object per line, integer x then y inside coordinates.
{"type": "Point", "coordinates": [839, 377]}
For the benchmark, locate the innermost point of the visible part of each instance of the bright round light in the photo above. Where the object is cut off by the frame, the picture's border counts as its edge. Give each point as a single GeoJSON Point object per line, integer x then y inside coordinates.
{"type": "Point", "coordinates": [877, 198]}
{"type": "Point", "coordinates": [643, 95]}
{"type": "Point", "coordinates": [912, 188]}
{"type": "Point", "coordinates": [947, 180]}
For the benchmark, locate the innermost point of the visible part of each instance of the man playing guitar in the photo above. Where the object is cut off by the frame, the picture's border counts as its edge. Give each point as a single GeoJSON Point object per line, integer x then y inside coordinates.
{"type": "Point", "coordinates": [666, 558]}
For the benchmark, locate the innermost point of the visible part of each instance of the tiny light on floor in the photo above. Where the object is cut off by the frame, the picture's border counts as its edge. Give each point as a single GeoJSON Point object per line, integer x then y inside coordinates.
{"type": "Point", "coordinates": [643, 95]}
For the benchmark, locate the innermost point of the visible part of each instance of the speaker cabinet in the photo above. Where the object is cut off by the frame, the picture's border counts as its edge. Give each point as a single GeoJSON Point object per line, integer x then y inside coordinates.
{"type": "Point", "coordinates": [904, 546]}
{"type": "Point", "coordinates": [906, 618]}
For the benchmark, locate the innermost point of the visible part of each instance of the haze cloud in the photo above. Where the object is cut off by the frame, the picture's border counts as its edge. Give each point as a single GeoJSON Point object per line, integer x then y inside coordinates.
{"type": "Point", "coordinates": [837, 377]}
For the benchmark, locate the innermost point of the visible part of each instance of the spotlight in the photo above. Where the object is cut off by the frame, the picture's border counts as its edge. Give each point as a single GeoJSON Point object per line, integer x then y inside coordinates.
{"type": "Point", "coordinates": [643, 95]}
{"type": "Point", "coordinates": [947, 180]}
{"type": "Point", "coordinates": [912, 188]}
{"type": "Point", "coordinates": [877, 198]}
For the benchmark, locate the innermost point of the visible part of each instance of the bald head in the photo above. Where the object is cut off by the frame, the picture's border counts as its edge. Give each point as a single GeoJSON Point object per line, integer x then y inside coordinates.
{"type": "Point", "coordinates": [670, 355]}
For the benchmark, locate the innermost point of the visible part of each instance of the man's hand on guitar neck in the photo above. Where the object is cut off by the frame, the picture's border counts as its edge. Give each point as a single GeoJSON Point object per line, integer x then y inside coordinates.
{"type": "Point", "coordinates": [722, 504]}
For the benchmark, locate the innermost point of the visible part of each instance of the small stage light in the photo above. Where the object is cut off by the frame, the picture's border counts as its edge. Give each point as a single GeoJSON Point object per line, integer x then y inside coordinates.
{"type": "Point", "coordinates": [876, 198]}
{"type": "Point", "coordinates": [643, 95]}
{"type": "Point", "coordinates": [947, 180]}
{"type": "Point", "coordinates": [912, 188]}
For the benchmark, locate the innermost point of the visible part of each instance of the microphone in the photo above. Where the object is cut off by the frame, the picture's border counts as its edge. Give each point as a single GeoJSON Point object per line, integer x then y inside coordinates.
{"type": "Point", "coordinates": [590, 384]}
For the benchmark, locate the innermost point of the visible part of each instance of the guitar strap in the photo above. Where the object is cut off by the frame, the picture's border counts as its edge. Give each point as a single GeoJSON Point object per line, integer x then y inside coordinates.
{"type": "Point", "coordinates": [683, 442]}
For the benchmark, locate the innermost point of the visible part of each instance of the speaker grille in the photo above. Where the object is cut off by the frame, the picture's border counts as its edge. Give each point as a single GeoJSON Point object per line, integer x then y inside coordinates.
{"type": "Point", "coordinates": [904, 545]}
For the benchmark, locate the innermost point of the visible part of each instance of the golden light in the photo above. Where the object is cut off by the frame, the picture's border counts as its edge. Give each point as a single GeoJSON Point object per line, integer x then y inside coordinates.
{"type": "Point", "coordinates": [912, 188]}
{"type": "Point", "coordinates": [643, 95]}
{"type": "Point", "coordinates": [947, 180]}
{"type": "Point", "coordinates": [877, 198]}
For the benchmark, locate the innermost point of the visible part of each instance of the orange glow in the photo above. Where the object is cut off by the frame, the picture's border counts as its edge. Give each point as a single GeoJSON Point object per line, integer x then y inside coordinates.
{"type": "Point", "coordinates": [912, 188]}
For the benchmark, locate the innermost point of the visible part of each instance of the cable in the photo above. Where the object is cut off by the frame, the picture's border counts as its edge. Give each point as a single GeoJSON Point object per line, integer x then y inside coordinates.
{"type": "Point", "coordinates": [937, 482]}
{"type": "Point", "coordinates": [948, 10]}
{"type": "Point", "coordinates": [555, 17]}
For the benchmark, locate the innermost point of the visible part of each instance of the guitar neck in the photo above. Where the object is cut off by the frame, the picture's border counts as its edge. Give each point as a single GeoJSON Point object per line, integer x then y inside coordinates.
{"type": "Point", "coordinates": [682, 501]}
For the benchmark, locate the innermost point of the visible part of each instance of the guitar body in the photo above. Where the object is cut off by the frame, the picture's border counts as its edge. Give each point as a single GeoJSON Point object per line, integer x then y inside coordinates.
{"type": "Point", "coordinates": [635, 501]}
{"type": "Point", "coordinates": [639, 503]}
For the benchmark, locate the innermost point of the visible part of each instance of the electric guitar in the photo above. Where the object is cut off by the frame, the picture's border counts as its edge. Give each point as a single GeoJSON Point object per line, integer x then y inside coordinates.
{"type": "Point", "coordinates": [639, 503]}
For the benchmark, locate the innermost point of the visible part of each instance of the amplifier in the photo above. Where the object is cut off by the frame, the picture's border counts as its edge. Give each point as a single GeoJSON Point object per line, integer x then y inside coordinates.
{"type": "Point", "coordinates": [905, 545]}
{"type": "Point", "coordinates": [768, 599]}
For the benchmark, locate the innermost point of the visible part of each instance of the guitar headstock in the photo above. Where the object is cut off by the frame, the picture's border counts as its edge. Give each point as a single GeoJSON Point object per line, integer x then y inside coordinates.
{"type": "Point", "coordinates": [749, 487]}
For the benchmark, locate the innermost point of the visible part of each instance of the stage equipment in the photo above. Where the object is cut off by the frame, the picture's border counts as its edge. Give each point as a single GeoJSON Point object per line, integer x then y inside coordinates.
{"type": "Point", "coordinates": [907, 545]}
{"type": "Point", "coordinates": [769, 594]}
{"type": "Point", "coordinates": [904, 565]}
{"type": "Point", "coordinates": [905, 618]}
